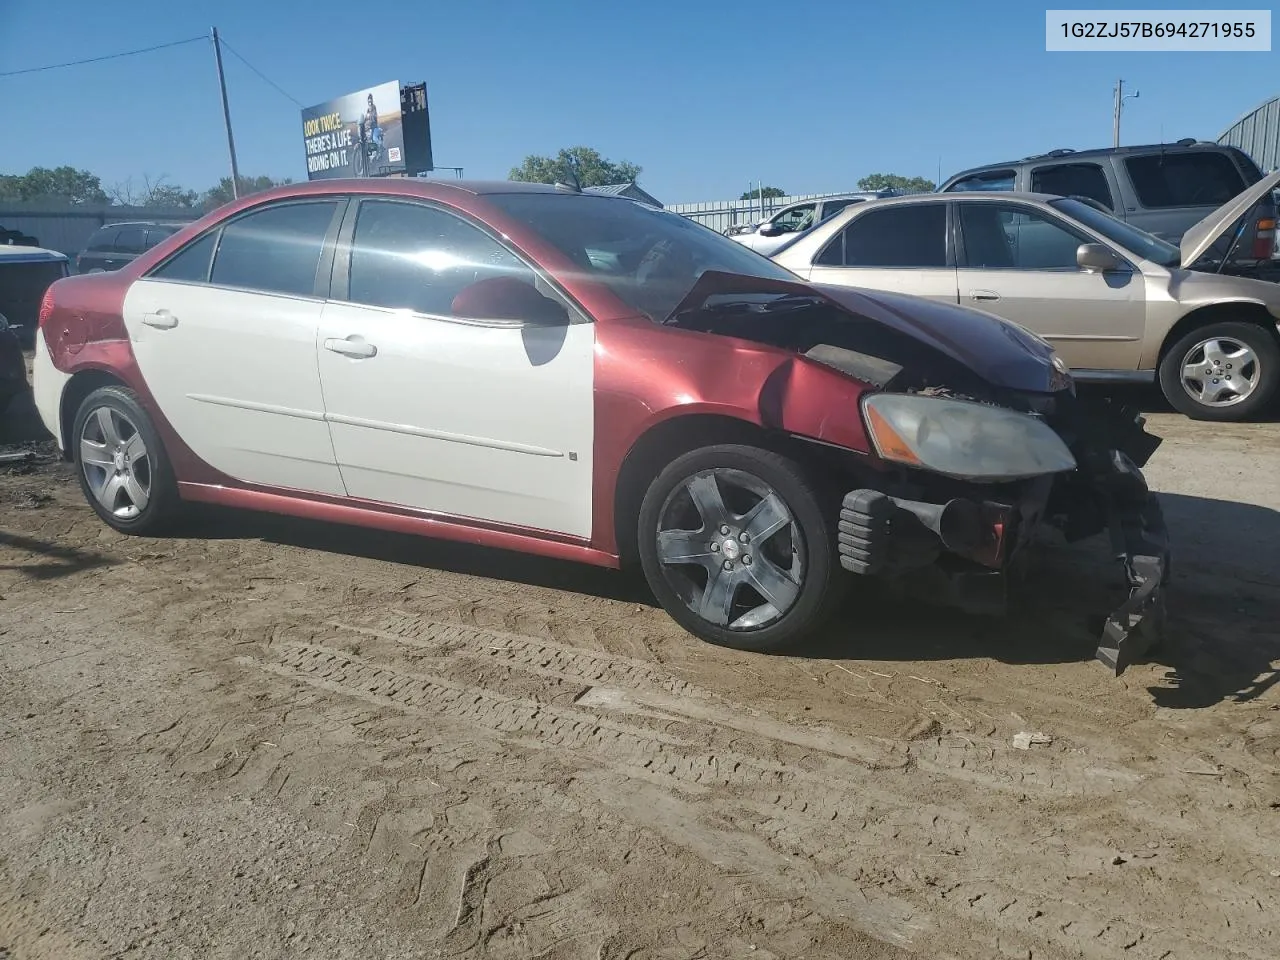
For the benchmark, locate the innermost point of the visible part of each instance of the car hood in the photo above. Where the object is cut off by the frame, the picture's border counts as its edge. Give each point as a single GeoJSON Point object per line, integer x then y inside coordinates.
{"type": "Point", "coordinates": [1197, 241]}
{"type": "Point", "coordinates": [1001, 353]}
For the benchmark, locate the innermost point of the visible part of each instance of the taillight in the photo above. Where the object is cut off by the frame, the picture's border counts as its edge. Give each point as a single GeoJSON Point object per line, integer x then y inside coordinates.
{"type": "Point", "coordinates": [1264, 240]}
{"type": "Point", "coordinates": [46, 307]}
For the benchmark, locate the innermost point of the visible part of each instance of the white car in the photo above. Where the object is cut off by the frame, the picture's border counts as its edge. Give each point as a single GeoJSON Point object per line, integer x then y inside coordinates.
{"type": "Point", "coordinates": [771, 234]}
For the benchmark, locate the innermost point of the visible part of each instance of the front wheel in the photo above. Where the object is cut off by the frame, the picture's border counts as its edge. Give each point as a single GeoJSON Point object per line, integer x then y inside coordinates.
{"type": "Point", "coordinates": [1223, 371]}
{"type": "Point", "coordinates": [122, 467]}
{"type": "Point", "coordinates": [737, 547]}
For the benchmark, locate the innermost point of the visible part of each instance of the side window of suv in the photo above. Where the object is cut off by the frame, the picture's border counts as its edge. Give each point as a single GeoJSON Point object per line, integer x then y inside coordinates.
{"type": "Point", "coordinates": [130, 240]}
{"type": "Point", "coordinates": [275, 249]}
{"type": "Point", "coordinates": [900, 236]}
{"type": "Point", "coordinates": [409, 256]}
{"type": "Point", "coordinates": [1074, 180]}
{"type": "Point", "coordinates": [103, 239]}
{"type": "Point", "coordinates": [1187, 179]}
{"type": "Point", "coordinates": [986, 180]}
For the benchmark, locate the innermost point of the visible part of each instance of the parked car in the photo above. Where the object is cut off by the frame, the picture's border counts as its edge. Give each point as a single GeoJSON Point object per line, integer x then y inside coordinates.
{"type": "Point", "coordinates": [25, 275]}
{"type": "Point", "coordinates": [584, 377]}
{"type": "Point", "coordinates": [112, 246]}
{"type": "Point", "coordinates": [1162, 188]}
{"type": "Point", "coordinates": [771, 233]}
{"type": "Point", "coordinates": [1116, 302]}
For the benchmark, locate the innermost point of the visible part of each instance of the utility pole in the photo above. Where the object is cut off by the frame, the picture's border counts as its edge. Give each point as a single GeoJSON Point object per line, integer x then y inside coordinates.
{"type": "Point", "coordinates": [1115, 118]}
{"type": "Point", "coordinates": [226, 117]}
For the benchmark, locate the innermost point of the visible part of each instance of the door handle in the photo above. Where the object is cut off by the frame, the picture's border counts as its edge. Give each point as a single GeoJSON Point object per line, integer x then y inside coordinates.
{"type": "Point", "coordinates": [983, 295]}
{"type": "Point", "coordinates": [162, 319]}
{"type": "Point", "coordinates": [351, 348]}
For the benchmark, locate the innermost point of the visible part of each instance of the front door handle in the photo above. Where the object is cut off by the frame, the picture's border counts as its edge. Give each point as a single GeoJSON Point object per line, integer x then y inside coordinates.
{"type": "Point", "coordinates": [983, 295]}
{"type": "Point", "coordinates": [162, 319]}
{"type": "Point", "coordinates": [351, 348]}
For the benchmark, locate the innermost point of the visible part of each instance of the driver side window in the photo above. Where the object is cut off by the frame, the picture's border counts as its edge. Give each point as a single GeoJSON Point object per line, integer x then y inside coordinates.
{"type": "Point", "coordinates": [407, 256]}
{"type": "Point", "coordinates": [797, 218]}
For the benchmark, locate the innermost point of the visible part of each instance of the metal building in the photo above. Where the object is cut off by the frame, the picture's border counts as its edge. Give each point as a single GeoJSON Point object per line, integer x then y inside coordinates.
{"type": "Point", "coordinates": [1257, 133]}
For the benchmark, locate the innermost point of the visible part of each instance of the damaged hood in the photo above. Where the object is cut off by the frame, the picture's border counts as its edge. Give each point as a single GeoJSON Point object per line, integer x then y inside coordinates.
{"type": "Point", "coordinates": [1001, 353]}
{"type": "Point", "coordinates": [1197, 241]}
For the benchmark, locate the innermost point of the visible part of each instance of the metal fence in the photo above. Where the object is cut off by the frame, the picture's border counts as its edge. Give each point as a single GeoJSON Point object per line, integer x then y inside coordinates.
{"type": "Point", "coordinates": [65, 227]}
{"type": "Point", "coordinates": [720, 215]}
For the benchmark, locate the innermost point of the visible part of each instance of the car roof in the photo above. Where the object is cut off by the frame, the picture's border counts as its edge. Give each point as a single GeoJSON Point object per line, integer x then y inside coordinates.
{"type": "Point", "coordinates": [1068, 155]}
{"type": "Point", "coordinates": [14, 253]}
{"type": "Point", "coordinates": [140, 223]}
{"type": "Point", "coordinates": [961, 195]}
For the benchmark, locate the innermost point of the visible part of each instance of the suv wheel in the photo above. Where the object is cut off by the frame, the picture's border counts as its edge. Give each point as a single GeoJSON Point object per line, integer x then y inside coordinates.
{"type": "Point", "coordinates": [1224, 371]}
{"type": "Point", "coordinates": [122, 467]}
{"type": "Point", "coordinates": [737, 547]}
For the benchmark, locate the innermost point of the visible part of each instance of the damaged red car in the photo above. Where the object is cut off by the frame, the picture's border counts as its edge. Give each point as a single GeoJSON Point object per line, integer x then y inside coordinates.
{"type": "Point", "coordinates": [588, 378]}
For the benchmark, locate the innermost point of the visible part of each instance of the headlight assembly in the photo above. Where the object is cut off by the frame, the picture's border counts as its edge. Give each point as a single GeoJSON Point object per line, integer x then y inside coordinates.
{"type": "Point", "coordinates": [970, 441]}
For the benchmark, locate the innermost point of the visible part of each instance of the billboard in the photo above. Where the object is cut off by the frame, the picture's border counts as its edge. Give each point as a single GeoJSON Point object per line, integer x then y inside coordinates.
{"type": "Point", "coordinates": [363, 135]}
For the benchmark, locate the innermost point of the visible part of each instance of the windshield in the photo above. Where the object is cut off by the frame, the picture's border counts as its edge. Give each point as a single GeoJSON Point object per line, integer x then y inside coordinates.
{"type": "Point", "coordinates": [649, 258]}
{"type": "Point", "coordinates": [1138, 242]}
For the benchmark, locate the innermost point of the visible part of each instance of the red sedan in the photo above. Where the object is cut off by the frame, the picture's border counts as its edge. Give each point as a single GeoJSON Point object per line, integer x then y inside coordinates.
{"type": "Point", "coordinates": [587, 378]}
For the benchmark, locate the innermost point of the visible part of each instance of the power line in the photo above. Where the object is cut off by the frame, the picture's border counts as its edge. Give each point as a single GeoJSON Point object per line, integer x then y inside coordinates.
{"type": "Point", "coordinates": [110, 56]}
{"type": "Point", "coordinates": [279, 89]}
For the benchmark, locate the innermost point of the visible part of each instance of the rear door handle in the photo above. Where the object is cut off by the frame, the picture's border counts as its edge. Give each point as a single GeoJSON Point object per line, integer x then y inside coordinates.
{"type": "Point", "coordinates": [983, 295]}
{"type": "Point", "coordinates": [161, 318]}
{"type": "Point", "coordinates": [351, 347]}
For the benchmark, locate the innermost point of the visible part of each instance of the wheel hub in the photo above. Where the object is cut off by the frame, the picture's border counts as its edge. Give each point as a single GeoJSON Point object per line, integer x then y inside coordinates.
{"type": "Point", "coordinates": [730, 549]}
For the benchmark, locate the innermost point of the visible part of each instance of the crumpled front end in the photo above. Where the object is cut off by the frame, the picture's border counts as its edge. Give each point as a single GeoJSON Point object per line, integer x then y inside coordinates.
{"type": "Point", "coordinates": [957, 541]}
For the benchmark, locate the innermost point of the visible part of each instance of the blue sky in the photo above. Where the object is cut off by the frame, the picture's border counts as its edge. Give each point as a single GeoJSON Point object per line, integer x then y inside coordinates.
{"type": "Point", "coordinates": [705, 96]}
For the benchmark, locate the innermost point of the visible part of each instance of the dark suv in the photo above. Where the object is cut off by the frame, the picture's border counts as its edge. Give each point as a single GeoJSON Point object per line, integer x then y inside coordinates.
{"type": "Point", "coordinates": [116, 244]}
{"type": "Point", "coordinates": [1163, 188]}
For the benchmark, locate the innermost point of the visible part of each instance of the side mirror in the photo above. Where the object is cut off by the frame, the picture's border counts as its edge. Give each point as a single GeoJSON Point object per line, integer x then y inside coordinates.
{"type": "Point", "coordinates": [770, 229]}
{"type": "Point", "coordinates": [506, 298]}
{"type": "Point", "coordinates": [1097, 258]}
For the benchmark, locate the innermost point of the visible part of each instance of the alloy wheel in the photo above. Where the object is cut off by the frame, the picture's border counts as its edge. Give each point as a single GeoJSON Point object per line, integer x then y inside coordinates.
{"type": "Point", "coordinates": [116, 463]}
{"type": "Point", "coordinates": [731, 549]}
{"type": "Point", "coordinates": [1220, 372]}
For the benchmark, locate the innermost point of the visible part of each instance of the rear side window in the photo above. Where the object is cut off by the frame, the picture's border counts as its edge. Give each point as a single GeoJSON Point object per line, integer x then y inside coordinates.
{"type": "Point", "coordinates": [831, 207]}
{"type": "Point", "coordinates": [157, 234]}
{"type": "Point", "coordinates": [986, 180]}
{"type": "Point", "coordinates": [130, 240]}
{"type": "Point", "coordinates": [191, 263]}
{"type": "Point", "coordinates": [274, 250]}
{"type": "Point", "coordinates": [1074, 180]}
{"type": "Point", "coordinates": [102, 239]}
{"type": "Point", "coordinates": [1201, 179]}
{"type": "Point", "coordinates": [904, 236]}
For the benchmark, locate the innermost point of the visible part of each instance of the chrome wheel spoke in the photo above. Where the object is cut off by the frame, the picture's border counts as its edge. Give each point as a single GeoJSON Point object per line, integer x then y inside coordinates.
{"type": "Point", "coordinates": [705, 493]}
{"type": "Point", "coordinates": [684, 546]}
{"type": "Point", "coordinates": [107, 426]}
{"type": "Point", "coordinates": [1213, 352]}
{"type": "Point", "coordinates": [772, 584]}
{"type": "Point", "coordinates": [1212, 389]}
{"type": "Point", "coordinates": [135, 449]}
{"type": "Point", "coordinates": [766, 518]}
{"type": "Point", "coordinates": [109, 490]}
{"type": "Point", "coordinates": [136, 493]}
{"type": "Point", "coordinates": [95, 454]}
{"type": "Point", "coordinates": [717, 598]}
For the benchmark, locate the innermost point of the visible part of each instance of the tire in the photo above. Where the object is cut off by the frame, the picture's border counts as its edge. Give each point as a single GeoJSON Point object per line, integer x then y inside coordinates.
{"type": "Point", "coordinates": [114, 485]}
{"type": "Point", "coordinates": [802, 551]}
{"type": "Point", "coordinates": [1261, 356]}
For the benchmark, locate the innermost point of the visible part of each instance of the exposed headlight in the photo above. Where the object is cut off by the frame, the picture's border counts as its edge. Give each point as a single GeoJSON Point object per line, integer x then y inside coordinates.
{"type": "Point", "coordinates": [971, 441]}
{"type": "Point", "coordinates": [1061, 379]}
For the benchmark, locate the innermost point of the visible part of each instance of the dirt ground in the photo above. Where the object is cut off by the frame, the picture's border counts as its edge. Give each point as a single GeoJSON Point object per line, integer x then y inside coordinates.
{"type": "Point", "coordinates": [277, 739]}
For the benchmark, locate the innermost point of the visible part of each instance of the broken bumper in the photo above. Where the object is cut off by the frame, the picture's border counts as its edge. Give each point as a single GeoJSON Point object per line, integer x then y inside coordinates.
{"type": "Point", "coordinates": [959, 551]}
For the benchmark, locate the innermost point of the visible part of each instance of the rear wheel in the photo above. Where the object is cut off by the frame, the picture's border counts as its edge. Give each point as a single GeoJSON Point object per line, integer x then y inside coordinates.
{"type": "Point", "coordinates": [122, 467]}
{"type": "Point", "coordinates": [738, 548]}
{"type": "Point", "coordinates": [1223, 371]}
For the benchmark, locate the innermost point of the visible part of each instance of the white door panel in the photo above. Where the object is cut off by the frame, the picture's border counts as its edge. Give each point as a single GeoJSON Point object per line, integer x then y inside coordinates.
{"type": "Point", "coordinates": [235, 373]}
{"type": "Point", "coordinates": [487, 421]}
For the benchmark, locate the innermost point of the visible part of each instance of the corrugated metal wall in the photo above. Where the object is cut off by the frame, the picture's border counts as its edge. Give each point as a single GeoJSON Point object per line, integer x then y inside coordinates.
{"type": "Point", "coordinates": [1258, 135]}
{"type": "Point", "coordinates": [66, 226]}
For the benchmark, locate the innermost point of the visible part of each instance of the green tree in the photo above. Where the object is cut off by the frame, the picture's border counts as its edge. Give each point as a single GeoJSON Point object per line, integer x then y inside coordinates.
{"type": "Point", "coordinates": [770, 193]}
{"type": "Point", "coordinates": [66, 183]}
{"type": "Point", "coordinates": [222, 193]}
{"type": "Point", "coordinates": [592, 169]}
{"type": "Point", "coordinates": [892, 181]}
